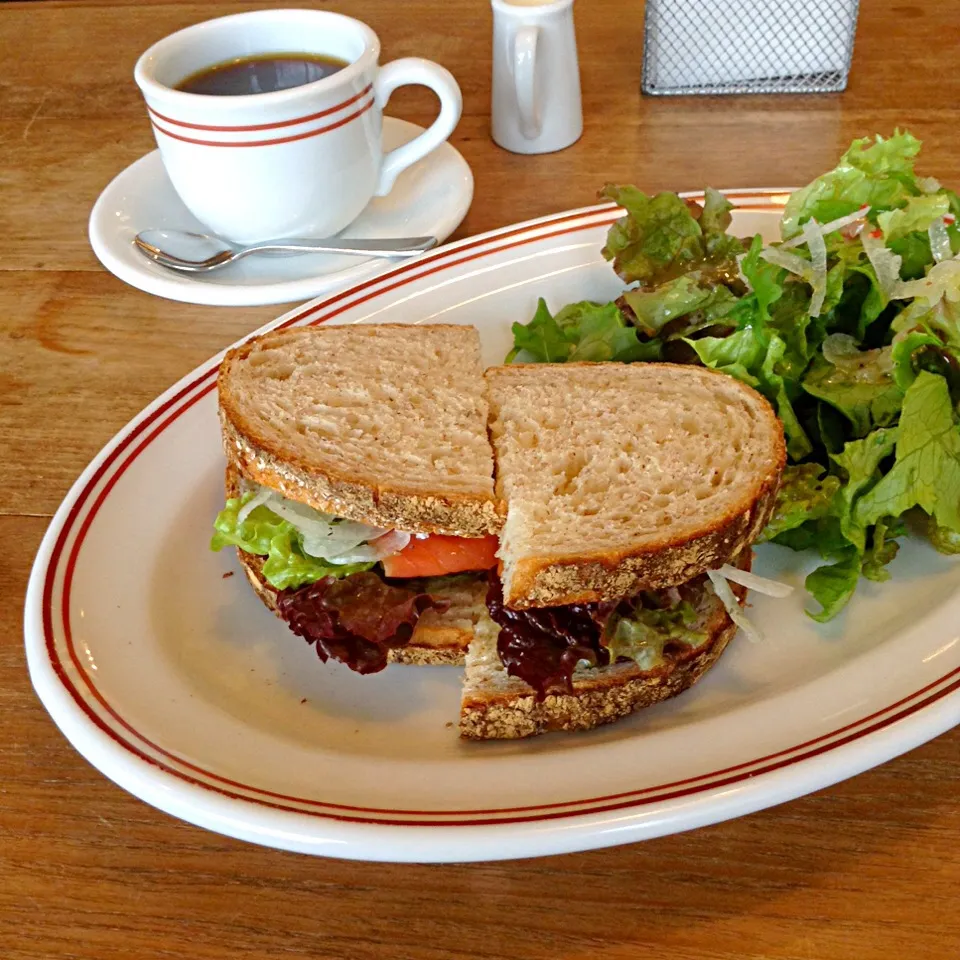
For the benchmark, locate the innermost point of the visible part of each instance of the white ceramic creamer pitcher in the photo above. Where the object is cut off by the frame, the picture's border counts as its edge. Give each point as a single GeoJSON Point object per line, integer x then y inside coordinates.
{"type": "Point", "coordinates": [536, 77]}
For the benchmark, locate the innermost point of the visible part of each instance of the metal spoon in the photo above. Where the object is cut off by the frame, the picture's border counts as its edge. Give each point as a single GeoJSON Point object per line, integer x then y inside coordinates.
{"type": "Point", "coordinates": [201, 253]}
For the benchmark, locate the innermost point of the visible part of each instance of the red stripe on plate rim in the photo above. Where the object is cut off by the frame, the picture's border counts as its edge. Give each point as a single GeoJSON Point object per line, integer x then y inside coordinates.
{"type": "Point", "coordinates": [268, 143]}
{"type": "Point", "coordinates": [251, 127]}
{"type": "Point", "coordinates": [440, 260]}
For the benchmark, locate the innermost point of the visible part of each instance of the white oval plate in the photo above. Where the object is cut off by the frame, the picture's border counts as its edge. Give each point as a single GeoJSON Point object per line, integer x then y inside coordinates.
{"type": "Point", "coordinates": [167, 674]}
{"type": "Point", "coordinates": [429, 199]}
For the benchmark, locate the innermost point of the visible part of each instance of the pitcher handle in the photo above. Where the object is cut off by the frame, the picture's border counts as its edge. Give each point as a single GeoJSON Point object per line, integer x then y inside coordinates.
{"type": "Point", "coordinates": [525, 77]}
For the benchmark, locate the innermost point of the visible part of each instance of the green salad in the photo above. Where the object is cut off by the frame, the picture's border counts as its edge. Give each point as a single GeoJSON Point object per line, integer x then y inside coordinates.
{"type": "Point", "coordinates": [849, 325]}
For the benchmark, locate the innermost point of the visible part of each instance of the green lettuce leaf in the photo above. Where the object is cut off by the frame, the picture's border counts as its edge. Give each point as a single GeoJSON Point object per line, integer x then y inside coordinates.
{"type": "Point", "coordinates": [834, 584]}
{"type": "Point", "coordinates": [839, 536]}
{"type": "Point", "coordinates": [657, 238]}
{"type": "Point", "coordinates": [714, 223]}
{"type": "Point", "coordinates": [878, 173]}
{"type": "Point", "coordinates": [927, 468]}
{"type": "Point", "coordinates": [801, 333]}
{"type": "Point", "coordinates": [265, 534]}
{"type": "Point", "coordinates": [942, 317]}
{"type": "Point", "coordinates": [904, 352]}
{"type": "Point", "coordinates": [601, 333]}
{"type": "Point", "coordinates": [756, 353]}
{"type": "Point", "coordinates": [914, 253]}
{"type": "Point", "coordinates": [582, 331]}
{"type": "Point", "coordinates": [806, 494]}
{"type": "Point", "coordinates": [737, 354]}
{"type": "Point", "coordinates": [861, 301]}
{"type": "Point", "coordinates": [821, 534]}
{"type": "Point", "coordinates": [943, 540]}
{"type": "Point", "coordinates": [918, 214]}
{"type": "Point", "coordinates": [883, 548]}
{"type": "Point", "coordinates": [774, 385]}
{"type": "Point", "coordinates": [654, 309]}
{"type": "Point", "coordinates": [660, 238]}
{"type": "Point", "coordinates": [766, 279]}
{"type": "Point", "coordinates": [642, 635]}
{"type": "Point", "coordinates": [831, 428]}
{"type": "Point", "coordinates": [541, 340]}
{"type": "Point", "coordinates": [860, 462]}
{"type": "Point", "coordinates": [860, 384]}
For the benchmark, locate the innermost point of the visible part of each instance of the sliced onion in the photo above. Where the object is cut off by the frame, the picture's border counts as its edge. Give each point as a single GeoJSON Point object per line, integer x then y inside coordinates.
{"type": "Point", "coordinates": [740, 272]}
{"type": "Point", "coordinates": [886, 264]}
{"type": "Point", "coordinates": [725, 595]}
{"type": "Point", "coordinates": [789, 261]}
{"type": "Point", "coordinates": [818, 263]}
{"type": "Point", "coordinates": [928, 184]}
{"type": "Point", "coordinates": [391, 543]}
{"type": "Point", "coordinates": [324, 537]}
{"type": "Point", "coordinates": [386, 546]}
{"type": "Point", "coordinates": [764, 585]}
{"type": "Point", "coordinates": [942, 278]}
{"type": "Point", "coordinates": [832, 226]}
{"type": "Point", "coordinates": [324, 530]}
{"type": "Point", "coordinates": [840, 348]}
{"type": "Point", "coordinates": [260, 497]}
{"type": "Point", "coordinates": [939, 240]}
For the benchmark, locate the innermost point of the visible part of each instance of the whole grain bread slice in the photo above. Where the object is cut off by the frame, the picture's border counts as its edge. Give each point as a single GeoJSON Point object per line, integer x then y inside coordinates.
{"type": "Point", "coordinates": [497, 706]}
{"type": "Point", "coordinates": [626, 477]}
{"type": "Point", "coordinates": [385, 424]}
{"type": "Point", "coordinates": [439, 638]}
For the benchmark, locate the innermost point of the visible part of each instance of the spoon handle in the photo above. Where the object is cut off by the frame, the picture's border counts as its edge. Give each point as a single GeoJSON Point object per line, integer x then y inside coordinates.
{"type": "Point", "coordinates": [382, 248]}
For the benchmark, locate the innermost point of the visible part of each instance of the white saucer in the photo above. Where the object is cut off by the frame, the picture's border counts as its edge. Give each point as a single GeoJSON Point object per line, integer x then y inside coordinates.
{"type": "Point", "coordinates": [430, 198]}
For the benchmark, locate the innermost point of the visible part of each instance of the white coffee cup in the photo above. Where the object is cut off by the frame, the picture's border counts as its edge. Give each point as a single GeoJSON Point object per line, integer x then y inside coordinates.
{"type": "Point", "coordinates": [298, 162]}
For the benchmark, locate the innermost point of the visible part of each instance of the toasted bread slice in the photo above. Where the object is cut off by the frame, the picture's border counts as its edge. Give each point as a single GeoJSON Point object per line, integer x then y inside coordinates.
{"type": "Point", "coordinates": [438, 638]}
{"type": "Point", "coordinates": [497, 706]}
{"type": "Point", "coordinates": [625, 477]}
{"type": "Point", "coordinates": [385, 424]}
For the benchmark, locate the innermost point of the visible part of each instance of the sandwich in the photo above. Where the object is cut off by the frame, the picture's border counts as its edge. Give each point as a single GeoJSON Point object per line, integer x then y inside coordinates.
{"type": "Point", "coordinates": [633, 495]}
{"type": "Point", "coordinates": [577, 536]}
{"type": "Point", "coordinates": [359, 487]}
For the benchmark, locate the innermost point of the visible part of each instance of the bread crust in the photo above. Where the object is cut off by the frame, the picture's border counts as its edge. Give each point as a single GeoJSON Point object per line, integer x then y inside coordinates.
{"type": "Point", "coordinates": [436, 641]}
{"type": "Point", "coordinates": [352, 497]}
{"type": "Point", "coordinates": [558, 581]}
{"type": "Point", "coordinates": [600, 695]}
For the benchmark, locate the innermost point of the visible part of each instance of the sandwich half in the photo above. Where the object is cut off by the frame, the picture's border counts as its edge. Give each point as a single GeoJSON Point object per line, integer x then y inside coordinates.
{"type": "Point", "coordinates": [359, 486]}
{"type": "Point", "coordinates": [628, 487]}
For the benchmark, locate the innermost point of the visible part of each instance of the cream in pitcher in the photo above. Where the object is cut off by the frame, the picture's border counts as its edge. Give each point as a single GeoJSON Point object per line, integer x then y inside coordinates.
{"type": "Point", "coordinates": [269, 123]}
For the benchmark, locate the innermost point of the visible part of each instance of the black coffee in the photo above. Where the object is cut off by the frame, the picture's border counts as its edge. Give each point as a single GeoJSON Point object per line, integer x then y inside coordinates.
{"type": "Point", "coordinates": [263, 73]}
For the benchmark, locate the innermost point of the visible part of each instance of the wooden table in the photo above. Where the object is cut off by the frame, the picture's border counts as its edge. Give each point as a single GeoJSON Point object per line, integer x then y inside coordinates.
{"type": "Point", "coordinates": [867, 870]}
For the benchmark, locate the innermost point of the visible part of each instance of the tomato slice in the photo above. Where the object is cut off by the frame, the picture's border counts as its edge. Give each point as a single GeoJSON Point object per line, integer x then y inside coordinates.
{"type": "Point", "coordinates": [438, 554]}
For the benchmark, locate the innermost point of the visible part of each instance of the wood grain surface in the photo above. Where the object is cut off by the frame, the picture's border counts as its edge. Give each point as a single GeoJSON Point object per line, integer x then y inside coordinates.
{"type": "Point", "coordinates": [866, 870]}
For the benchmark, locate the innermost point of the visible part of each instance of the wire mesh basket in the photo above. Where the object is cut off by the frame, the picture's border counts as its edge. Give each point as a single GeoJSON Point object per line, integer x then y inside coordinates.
{"type": "Point", "coordinates": [747, 46]}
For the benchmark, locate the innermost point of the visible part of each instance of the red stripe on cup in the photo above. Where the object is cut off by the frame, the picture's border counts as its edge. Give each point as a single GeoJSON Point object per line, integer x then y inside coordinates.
{"type": "Point", "coordinates": [262, 126]}
{"type": "Point", "coordinates": [267, 143]}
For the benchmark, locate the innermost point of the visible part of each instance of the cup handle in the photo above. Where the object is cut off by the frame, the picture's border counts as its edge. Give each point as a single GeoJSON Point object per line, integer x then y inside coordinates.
{"type": "Point", "coordinates": [525, 77]}
{"type": "Point", "coordinates": [441, 82]}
